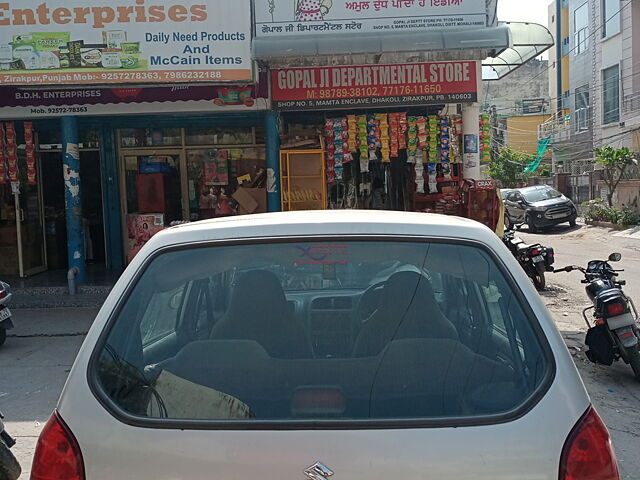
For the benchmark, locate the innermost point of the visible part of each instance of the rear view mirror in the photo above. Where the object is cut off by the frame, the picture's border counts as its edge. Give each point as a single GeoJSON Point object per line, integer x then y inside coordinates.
{"type": "Point", "coordinates": [615, 257]}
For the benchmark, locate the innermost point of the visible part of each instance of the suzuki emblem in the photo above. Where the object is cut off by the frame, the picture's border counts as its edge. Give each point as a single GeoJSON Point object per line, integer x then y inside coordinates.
{"type": "Point", "coordinates": [318, 471]}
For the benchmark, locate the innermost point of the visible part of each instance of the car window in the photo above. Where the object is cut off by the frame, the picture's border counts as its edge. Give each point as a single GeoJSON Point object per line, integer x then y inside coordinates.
{"type": "Point", "coordinates": [427, 349]}
{"type": "Point", "coordinates": [161, 315]}
{"type": "Point", "coordinates": [541, 194]}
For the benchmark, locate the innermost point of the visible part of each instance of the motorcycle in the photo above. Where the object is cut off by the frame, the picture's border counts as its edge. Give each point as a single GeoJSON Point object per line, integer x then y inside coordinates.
{"type": "Point", "coordinates": [614, 332]}
{"type": "Point", "coordinates": [535, 259]}
{"type": "Point", "coordinates": [5, 314]}
{"type": "Point", "coordinates": [9, 467]}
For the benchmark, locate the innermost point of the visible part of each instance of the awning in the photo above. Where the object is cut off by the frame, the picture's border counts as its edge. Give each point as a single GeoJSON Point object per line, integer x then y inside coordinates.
{"type": "Point", "coordinates": [487, 39]}
{"type": "Point", "coordinates": [528, 41]}
{"type": "Point", "coordinates": [510, 44]}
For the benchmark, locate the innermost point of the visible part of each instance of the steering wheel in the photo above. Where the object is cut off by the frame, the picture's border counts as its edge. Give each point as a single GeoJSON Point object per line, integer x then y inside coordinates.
{"type": "Point", "coordinates": [370, 302]}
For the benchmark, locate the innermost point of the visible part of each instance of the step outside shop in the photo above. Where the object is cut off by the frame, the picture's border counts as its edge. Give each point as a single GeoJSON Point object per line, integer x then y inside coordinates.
{"type": "Point", "coordinates": [378, 101]}
{"type": "Point", "coordinates": [120, 118]}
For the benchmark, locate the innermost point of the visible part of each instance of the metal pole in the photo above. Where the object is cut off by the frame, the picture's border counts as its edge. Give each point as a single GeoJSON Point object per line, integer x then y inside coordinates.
{"type": "Point", "coordinates": [272, 134]}
{"type": "Point", "coordinates": [73, 198]}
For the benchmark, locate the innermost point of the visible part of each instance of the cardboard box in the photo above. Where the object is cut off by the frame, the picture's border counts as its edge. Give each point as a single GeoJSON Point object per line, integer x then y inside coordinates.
{"type": "Point", "coordinates": [251, 200]}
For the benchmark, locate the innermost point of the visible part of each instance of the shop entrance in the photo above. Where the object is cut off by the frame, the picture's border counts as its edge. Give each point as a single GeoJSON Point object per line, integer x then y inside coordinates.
{"type": "Point", "coordinates": [54, 208]}
{"type": "Point", "coordinates": [152, 198]}
{"type": "Point", "coordinates": [22, 242]}
{"type": "Point", "coordinates": [187, 174]}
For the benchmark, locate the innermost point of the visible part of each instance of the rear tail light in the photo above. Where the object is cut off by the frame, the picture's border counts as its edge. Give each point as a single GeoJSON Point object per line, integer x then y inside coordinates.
{"type": "Point", "coordinates": [588, 453]}
{"type": "Point", "coordinates": [58, 455]}
{"type": "Point", "coordinates": [3, 291]}
{"type": "Point", "coordinates": [535, 251]}
{"type": "Point", "coordinates": [614, 309]}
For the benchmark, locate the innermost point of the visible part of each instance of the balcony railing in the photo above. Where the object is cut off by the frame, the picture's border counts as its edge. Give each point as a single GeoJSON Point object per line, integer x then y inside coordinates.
{"type": "Point", "coordinates": [582, 120]}
{"type": "Point", "coordinates": [560, 127]}
{"type": "Point", "coordinates": [557, 127]}
{"type": "Point", "coordinates": [631, 103]}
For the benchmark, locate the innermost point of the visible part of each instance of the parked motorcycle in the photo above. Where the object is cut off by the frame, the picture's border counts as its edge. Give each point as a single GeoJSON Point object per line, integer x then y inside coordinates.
{"type": "Point", "coordinates": [535, 259]}
{"type": "Point", "coordinates": [9, 466]}
{"type": "Point", "coordinates": [5, 314]}
{"type": "Point", "coordinates": [614, 332]}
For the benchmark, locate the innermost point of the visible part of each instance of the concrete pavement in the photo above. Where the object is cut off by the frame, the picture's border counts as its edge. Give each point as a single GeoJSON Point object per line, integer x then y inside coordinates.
{"type": "Point", "coordinates": [34, 363]}
{"type": "Point", "coordinates": [614, 390]}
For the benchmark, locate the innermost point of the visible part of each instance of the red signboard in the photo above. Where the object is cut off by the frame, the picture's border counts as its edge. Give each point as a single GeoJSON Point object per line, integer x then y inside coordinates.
{"type": "Point", "coordinates": [374, 85]}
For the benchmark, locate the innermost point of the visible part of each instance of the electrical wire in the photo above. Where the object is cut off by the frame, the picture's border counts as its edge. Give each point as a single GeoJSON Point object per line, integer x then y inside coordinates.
{"type": "Point", "coordinates": [594, 88]}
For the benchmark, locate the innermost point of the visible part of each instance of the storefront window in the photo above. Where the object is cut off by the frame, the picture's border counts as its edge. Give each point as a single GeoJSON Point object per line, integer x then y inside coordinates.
{"type": "Point", "coordinates": [150, 137]}
{"type": "Point", "coordinates": [219, 136]}
{"type": "Point", "coordinates": [89, 138]}
{"type": "Point", "coordinates": [187, 175]}
{"type": "Point", "coordinates": [214, 176]}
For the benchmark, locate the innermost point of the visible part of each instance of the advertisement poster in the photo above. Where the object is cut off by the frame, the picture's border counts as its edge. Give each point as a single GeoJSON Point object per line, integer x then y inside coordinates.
{"type": "Point", "coordinates": [215, 166]}
{"type": "Point", "coordinates": [470, 143]}
{"type": "Point", "coordinates": [374, 85]}
{"type": "Point", "coordinates": [124, 41]}
{"type": "Point", "coordinates": [328, 17]}
{"type": "Point", "coordinates": [140, 229]}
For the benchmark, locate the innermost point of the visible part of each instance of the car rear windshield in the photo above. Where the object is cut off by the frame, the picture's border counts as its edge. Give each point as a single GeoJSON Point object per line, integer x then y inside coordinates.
{"type": "Point", "coordinates": [541, 194]}
{"type": "Point", "coordinates": [212, 333]}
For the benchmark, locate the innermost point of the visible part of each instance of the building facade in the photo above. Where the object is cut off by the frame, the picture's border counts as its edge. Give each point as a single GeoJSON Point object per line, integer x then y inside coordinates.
{"type": "Point", "coordinates": [118, 125]}
{"type": "Point", "coordinates": [600, 43]}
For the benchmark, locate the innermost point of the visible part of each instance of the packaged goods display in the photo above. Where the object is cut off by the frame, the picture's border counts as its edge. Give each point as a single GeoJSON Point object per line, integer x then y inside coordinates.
{"type": "Point", "coordinates": [58, 51]}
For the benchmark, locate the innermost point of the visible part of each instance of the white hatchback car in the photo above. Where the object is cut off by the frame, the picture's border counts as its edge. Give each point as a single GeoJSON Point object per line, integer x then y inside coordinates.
{"type": "Point", "coordinates": [351, 345]}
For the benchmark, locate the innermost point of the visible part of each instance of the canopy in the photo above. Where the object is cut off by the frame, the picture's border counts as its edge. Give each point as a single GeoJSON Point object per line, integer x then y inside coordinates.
{"type": "Point", "coordinates": [528, 41]}
{"type": "Point", "coordinates": [509, 45]}
{"type": "Point", "coordinates": [494, 38]}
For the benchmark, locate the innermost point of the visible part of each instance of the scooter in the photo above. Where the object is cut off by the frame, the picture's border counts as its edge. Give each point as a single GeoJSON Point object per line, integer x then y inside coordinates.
{"type": "Point", "coordinates": [535, 259]}
{"type": "Point", "coordinates": [5, 314]}
{"type": "Point", "coordinates": [9, 467]}
{"type": "Point", "coordinates": [614, 332]}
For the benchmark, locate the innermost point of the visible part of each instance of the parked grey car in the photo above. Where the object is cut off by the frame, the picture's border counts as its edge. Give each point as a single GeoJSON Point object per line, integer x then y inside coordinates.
{"type": "Point", "coordinates": [539, 207]}
{"type": "Point", "coordinates": [343, 345]}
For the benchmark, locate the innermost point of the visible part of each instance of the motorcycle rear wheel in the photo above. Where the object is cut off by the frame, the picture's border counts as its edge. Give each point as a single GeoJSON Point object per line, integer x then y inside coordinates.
{"type": "Point", "coordinates": [9, 467]}
{"type": "Point", "coordinates": [3, 336]}
{"type": "Point", "coordinates": [633, 354]}
{"type": "Point", "coordinates": [539, 281]}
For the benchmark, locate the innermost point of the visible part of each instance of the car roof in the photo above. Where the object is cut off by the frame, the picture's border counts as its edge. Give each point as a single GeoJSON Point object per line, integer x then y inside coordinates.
{"type": "Point", "coordinates": [323, 223]}
{"type": "Point", "coordinates": [534, 187]}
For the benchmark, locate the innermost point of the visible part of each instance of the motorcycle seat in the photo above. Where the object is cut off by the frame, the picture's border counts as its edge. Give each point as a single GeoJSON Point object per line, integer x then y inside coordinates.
{"type": "Point", "coordinates": [522, 246]}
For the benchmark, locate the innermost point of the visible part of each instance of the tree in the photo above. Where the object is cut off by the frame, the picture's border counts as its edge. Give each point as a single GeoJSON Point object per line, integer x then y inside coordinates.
{"type": "Point", "coordinates": [615, 162]}
{"type": "Point", "coordinates": [508, 166]}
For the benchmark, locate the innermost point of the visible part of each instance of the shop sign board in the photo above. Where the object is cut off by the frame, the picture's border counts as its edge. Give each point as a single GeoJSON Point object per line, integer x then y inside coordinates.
{"type": "Point", "coordinates": [91, 42]}
{"type": "Point", "coordinates": [374, 85]}
{"type": "Point", "coordinates": [18, 103]}
{"type": "Point", "coordinates": [336, 17]}
{"type": "Point", "coordinates": [533, 106]}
